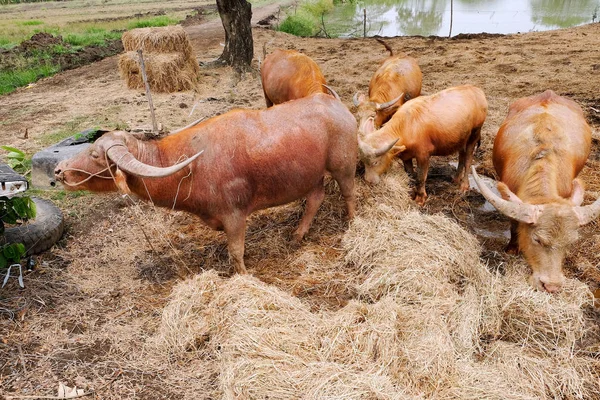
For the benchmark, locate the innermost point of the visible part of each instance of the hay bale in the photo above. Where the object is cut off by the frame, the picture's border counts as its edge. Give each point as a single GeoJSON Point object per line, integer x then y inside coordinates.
{"type": "Point", "coordinates": [166, 73]}
{"type": "Point", "coordinates": [168, 39]}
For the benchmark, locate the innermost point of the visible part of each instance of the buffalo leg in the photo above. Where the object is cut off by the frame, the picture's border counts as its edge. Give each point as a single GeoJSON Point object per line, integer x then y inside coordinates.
{"type": "Point", "coordinates": [235, 229]}
{"type": "Point", "coordinates": [345, 181]}
{"type": "Point", "coordinates": [422, 169]}
{"type": "Point", "coordinates": [313, 202]}
{"type": "Point", "coordinates": [513, 244]}
{"type": "Point", "coordinates": [460, 170]}
{"type": "Point", "coordinates": [408, 167]}
{"type": "Point", "coordinates": [470, 149]}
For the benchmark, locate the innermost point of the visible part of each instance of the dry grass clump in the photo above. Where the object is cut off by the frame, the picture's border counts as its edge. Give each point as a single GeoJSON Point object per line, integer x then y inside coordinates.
{"type": "Point", "coordinates": [428, 321]}
{"type": "Point", "coordinates": [168, 57]}
{"type": "Point", "coordinates": [539, 321]}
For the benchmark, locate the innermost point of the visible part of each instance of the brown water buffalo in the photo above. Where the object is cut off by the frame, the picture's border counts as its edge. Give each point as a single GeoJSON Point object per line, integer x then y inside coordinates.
{"type": "Point", "coordinates": [287, 75]}
{"type": "Point", "coordinates": [540, 149]}
{"type": "Point", "coordinates": [250, 160]}
{"type": "Point", "coordinates": [438, 125]}
{"type": "Point", "coordinates": [397, 80]}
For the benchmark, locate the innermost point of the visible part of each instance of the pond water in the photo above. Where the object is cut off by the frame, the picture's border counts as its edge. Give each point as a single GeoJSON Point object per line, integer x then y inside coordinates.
{"type": "Point", "coordinates": [432, 17]}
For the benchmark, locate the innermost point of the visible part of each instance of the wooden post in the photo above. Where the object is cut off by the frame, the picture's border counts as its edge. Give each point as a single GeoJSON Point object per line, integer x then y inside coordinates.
{"type": "Point", "coordinates": [451, 15]}
{"type": "Point", "coordinates": [364, 22]}
{"type": "Point", "coordinates": [148, 95]}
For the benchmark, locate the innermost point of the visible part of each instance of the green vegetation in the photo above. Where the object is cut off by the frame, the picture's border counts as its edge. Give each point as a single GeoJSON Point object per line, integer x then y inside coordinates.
{"type": "Point", "coordinates": [91, 37]}
{"type": "Point", "coordinates": [32, 22]}
{"type": "Point", "coordinates": [299, 25]}
{"type": "Point", "coordinates": [70, 128]}
{"type": "Point", "coordinates": [10, 80]}
{"type": "Point", "coordinates": [160, 20]}
{"type": "Point", "coordinates": [308, 18]}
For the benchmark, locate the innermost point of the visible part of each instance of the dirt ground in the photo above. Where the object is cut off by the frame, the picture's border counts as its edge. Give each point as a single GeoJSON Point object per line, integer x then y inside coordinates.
{"type": "Point", "coordinates": [94, 299]}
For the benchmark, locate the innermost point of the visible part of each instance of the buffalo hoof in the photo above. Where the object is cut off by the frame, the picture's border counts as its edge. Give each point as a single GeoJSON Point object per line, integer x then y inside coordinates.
{"type": "Point", "coordinates": [512, 249]}
{"type": "Point", "coordinates": [420, 199]}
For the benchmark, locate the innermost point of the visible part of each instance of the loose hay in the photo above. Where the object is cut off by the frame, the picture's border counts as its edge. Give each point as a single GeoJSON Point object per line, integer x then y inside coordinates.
{"type": "Point", "coordinates": [429, 320]}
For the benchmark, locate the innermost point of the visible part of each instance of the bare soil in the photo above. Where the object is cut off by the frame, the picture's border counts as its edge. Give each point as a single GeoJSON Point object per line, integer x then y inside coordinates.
{"type": "Point", "coordinates": [92, 301]}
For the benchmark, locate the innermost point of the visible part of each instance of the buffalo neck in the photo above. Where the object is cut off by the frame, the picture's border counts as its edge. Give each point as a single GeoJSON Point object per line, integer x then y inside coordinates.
{"type": "Point", "coordinates": [541, 184]}
{"type": "Point", "coordinates": [167, 191]}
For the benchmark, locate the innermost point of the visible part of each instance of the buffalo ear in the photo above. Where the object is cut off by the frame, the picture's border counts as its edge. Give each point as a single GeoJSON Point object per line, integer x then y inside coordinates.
{"type": "Point", "coordinates": [577, 193]}
{"type": "Point", "coordinates": [397, 149]}
{"type": "Point", "coordinates": [507, 194]}
{"type": "Point", "coordinates": [121, 182]}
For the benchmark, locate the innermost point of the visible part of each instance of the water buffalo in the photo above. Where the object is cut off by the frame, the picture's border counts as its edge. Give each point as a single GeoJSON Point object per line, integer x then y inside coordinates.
{"type": "Point", "coordinates": [287, 75]}
{"type": "Point", "coordinates": [250, 160]}
{"type": "Point", "coordinates": [397, 80]}
{"type": "Point", "coordinates": [538, 152]}
{"type": "Point", "coordinates": [438, 125]}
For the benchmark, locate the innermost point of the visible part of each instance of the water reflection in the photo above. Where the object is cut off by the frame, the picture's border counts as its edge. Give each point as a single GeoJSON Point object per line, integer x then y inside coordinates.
{"type": "Point", "coordinates": [562, 13]}
{"type": "Point", "coordinates": [432, 17]}
{"type": "Point", "coordinates": [420, 17]}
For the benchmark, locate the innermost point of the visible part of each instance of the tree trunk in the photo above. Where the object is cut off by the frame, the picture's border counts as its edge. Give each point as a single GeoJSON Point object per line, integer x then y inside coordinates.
{"type": "Point", "coordinates": [239, 46]}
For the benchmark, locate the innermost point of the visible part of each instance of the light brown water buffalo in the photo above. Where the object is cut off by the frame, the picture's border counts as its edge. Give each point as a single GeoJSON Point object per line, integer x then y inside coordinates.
{"type": "Point", "coordinates": [540, 149]}
{"type": "Point", "coordinates": [287, 75]}
{"type": "Point", "coordinates": [438, 125]}
{"type": "Point", "coordinates": [250, 160]}
{"type": "Point", "coordinates": [397, 80]}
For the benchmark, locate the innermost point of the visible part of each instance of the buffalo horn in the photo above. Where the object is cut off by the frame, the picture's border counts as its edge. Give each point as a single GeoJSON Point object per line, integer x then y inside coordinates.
{"type": "Point", "coordinates": [589, 213]}
{"type": "Point", "coordinates": [355, 99]}
{"type": "Point", "coordinates": [390, 103]}
{"type": "Point", "coordinates": [332, 92]}
{"type": "Point", "coordinates": [128, 163]}
{"type": "Point", "coordinates": [519, 211]}
{"type": "Point", "coordinates": [384, 149]}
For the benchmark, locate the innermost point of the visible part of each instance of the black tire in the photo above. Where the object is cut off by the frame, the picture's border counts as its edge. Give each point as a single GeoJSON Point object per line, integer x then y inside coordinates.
{"type": "Point", "coordinates": [41, 233]}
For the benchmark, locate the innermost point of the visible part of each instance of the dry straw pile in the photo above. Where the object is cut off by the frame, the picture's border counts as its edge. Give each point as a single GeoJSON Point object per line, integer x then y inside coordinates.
{"type": "Point", "coordinates": [428, 321]}
{"type": "Point", "coordinates": [168, 56]}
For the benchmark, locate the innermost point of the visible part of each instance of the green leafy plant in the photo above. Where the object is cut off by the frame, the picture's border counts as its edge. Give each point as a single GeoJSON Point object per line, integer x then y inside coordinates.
{"type": "Point", "coordinates": [15, 157]}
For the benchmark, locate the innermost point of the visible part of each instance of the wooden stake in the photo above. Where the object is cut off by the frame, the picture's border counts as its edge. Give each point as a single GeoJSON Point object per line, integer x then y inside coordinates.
{"type": "Point", "coordinates": [148, 95]}
{"type": "Point", "coordinates": [451, 15]}
{"type": "Point", "coordinates": [364, 22]}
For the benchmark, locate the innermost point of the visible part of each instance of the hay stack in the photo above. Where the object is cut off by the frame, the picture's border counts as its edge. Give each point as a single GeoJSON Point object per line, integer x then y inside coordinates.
{"type": "Point", "coordinates": [429, 321]}
{"type": "Point", "coordinates": [168, 56]}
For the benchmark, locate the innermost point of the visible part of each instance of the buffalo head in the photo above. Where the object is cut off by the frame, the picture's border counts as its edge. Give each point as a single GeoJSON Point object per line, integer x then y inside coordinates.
{"type": "Point", "coordinates": [100, 167]}
{"type": "Point", "coordinates": [545, 230]}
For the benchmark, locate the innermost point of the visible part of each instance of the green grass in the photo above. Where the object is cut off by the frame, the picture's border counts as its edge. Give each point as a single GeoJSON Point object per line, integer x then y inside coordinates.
{"type": "Point", "coordinates": [69, 129]}
{"type": "Point", "coordinates": [10, 80]}
{"type": "Point", "coordinates": [160, 20]}
{"type": "Point", "coordinates": [92, 37]}
{"type": "Point", "coordinates": [298, 25]}
{"type": "Point", "coordinates": [31, 22]}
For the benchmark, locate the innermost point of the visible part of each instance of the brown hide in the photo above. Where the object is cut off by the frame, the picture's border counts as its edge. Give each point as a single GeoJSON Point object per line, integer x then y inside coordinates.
{"type": "Point", "coordinates": [287, 75]}
{"type": "Point", "coordinates": [539, 150]}
{"type": "Point", "coordinates": [398, 75]}
{"type": "Point", "coordinates": [438, 125]}
{"type": "Point", "coordinates": [252, 160]}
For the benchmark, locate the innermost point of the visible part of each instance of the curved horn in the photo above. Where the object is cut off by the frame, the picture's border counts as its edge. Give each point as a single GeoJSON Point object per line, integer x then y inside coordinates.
{"type": "Point", "coordinates": [589, 213]}
{"type": "Point", "coordinates": [390, 103]}
{"type": "Point", "coordinates": [128, 163]}
{"type": "Point", "coordinates": [384, 149]}
{"type": "Point", "coordinates": [355, 99]}
{"type": "Point", "coordinates": [332, 92]}
{"type": "Point", "coordinates": [522, 212]}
